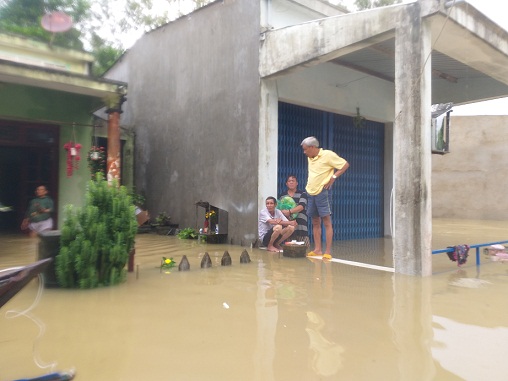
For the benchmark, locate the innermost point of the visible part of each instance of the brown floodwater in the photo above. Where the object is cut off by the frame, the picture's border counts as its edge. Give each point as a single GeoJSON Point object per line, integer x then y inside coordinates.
{"type": "Point", "coordinates": [275, 318]}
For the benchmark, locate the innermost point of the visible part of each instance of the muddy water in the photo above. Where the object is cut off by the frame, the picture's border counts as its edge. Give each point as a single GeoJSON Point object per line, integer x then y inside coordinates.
{"type": "Point", "coordinates": [275, 318]}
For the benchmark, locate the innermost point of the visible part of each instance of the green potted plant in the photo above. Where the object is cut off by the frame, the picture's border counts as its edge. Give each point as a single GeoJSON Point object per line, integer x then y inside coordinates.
{"type": "Point", "coordinates": [96, 240]}
{"type": "Point", "coordinates": [163, 225]}
{"type": "Point", "coordinates": [188, 233]}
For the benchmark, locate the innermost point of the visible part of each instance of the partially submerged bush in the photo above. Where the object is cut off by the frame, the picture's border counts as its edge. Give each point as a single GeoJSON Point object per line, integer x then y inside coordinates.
{"type": "Point", "coordinates": [96, 240]}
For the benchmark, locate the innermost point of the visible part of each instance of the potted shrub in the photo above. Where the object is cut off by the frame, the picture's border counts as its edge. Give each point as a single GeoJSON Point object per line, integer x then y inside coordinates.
{"type": "Point", "coordinates": [188, 233]}
{"type": "Point", "coordinates": [96, 240]}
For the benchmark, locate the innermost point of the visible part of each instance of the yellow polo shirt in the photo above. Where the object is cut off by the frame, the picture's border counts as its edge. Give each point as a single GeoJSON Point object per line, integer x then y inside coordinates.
{"type": "Point", "coordinates": [321, 169]}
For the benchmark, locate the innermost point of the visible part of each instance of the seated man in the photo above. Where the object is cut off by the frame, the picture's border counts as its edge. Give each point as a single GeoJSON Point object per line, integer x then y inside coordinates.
{"type": "Point", "coordinates": [38, 215]}
{"type": "Point", "coordinates": [273, 226]}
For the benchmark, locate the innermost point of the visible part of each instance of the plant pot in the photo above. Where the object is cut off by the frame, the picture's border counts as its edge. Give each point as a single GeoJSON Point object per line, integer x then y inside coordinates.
{"type": "Point", "coordinates": [130, 265]}
{"type": "Point", "coordinates": [49, 247]}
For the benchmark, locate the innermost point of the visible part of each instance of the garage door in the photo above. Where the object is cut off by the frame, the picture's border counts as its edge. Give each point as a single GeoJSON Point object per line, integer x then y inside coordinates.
{"type": "Point", "coordinates": [358, 196]}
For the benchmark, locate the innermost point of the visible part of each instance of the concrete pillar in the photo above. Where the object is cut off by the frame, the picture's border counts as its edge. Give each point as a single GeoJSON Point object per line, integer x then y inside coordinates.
{"type": "Point", "coordinates": [412, 151]}
{"type": "Point", "coordinates": [113, 169]}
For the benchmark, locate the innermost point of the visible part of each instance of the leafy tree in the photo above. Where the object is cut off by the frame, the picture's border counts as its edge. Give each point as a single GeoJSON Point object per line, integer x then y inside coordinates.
{"type": "Point", "coordinates": [23, 17]}
{"type": "Point", "coordinates": [105, 54]}
{"type": "Point", "coordinates": [368, 4]}
{"type": "Point", "coordinates": [97, 24]}
{"type": "Point", "coordinates": [142, 14]}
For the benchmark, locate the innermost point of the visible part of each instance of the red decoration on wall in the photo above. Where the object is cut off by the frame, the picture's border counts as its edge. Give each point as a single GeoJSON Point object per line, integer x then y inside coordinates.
{"type": "Point", "coordinates": [73, 157]}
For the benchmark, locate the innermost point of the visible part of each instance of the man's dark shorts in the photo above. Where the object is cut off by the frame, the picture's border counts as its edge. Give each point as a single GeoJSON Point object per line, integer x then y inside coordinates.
{"type": "Point", "coordinates": [267, 237]}
{"type": "Point", "coordinates": [320, 204]}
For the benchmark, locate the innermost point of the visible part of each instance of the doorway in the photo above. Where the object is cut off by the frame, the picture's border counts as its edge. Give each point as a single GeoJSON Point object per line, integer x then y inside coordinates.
{"type": "Point", "coordinates": [28, 158]}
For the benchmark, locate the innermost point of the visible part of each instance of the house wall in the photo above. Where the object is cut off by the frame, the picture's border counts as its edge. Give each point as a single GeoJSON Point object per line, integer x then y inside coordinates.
{"type": "Point", "coordinates": [61, 109]}
{"type": "Point", "coordinates": [193, 102]}
{"type": "Point", "coordinates": [469, 182]}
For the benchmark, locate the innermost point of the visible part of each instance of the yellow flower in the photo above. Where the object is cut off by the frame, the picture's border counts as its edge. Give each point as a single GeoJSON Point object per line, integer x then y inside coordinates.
{"type": "Point", "coordinates": [168, 261]}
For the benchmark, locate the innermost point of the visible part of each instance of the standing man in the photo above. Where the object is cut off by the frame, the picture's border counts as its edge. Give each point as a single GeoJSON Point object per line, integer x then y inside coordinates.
{"type": "Point", "coordinates": [325, 167]}
{"type": "Point", "coordinates": [301, 232]}
{"type": "Point", "coordinates": [38, 215]}
{"type": "Point", "coordinates": [273, 226]}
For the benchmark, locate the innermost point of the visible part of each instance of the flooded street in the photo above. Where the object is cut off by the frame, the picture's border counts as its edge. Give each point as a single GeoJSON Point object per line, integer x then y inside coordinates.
{"type": "Point", "coordinates": [276, 318]}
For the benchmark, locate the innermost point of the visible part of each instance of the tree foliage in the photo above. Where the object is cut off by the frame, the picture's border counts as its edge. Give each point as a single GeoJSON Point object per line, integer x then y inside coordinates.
{"type": "Point", "coordinates": [142, 13]}
{"type": "Point", "coordinates": [98, 25]}
{"type": "Point", "coordinates": [23, 17]}
{"type": "Point", "coordinates": [368, 4]}
{"type": "Point", "coordinates": [105, 54]}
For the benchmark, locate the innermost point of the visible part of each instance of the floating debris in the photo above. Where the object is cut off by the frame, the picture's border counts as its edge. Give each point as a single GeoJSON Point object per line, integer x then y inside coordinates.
{"type": "Point", "coordinates": [244, 257]}
{"type": "Point", "coordinates": [206, 262]}
{"type": "Point", "coordinates": [226, 259]}
{"type": "Point", "coordinates": [184, 264]}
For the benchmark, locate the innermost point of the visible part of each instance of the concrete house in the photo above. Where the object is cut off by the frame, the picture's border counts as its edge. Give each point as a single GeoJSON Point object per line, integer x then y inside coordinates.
{"type": "Point", "coordinates": [219, 101]}
{"type": "Point", "coordinates": [47, 100]}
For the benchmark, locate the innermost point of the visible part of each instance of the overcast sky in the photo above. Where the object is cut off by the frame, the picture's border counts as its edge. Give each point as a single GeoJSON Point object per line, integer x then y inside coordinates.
{"type": "Point", "coordinates": [496, 10]}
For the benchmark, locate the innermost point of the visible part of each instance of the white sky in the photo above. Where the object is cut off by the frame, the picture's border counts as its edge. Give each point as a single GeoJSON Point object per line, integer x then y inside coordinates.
{"type": "Point", "coordinates": [496, 10]}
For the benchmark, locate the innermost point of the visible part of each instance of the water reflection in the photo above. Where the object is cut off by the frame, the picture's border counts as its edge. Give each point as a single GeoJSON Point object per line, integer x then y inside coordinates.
{"type": "Point", "coordinates": [410, 322]}
{"type": "Point", "coordinates": [275, 318]}
{"type": "Point", "coordinates": [266, 319]}
{"type": "Point", "coordinates": [327, 357]}
{"type": "Point", "coordinates": [481, 351]}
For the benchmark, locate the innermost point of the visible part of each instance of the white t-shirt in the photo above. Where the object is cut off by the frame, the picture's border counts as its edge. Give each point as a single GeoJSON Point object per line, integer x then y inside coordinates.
{"type": "Point", "coordinates": [264, 225]}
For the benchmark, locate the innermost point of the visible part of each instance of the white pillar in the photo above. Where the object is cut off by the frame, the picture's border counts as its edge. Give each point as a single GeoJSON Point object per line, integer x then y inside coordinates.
{"type": "Point", "coordinates": [268, 141]}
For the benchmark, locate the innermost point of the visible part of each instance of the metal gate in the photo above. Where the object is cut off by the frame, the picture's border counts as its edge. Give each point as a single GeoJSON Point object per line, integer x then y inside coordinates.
{"type": "Point", "coordinates": [357, 208]}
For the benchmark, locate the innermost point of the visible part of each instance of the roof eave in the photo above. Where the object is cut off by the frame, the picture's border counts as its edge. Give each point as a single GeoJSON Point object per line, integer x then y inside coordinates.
{"type": "Point", "coordinates": [34, 76]}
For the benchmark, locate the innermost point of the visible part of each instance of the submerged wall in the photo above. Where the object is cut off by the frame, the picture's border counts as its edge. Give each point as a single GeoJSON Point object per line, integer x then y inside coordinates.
{"type": "Point", "coordinates": [470, 182]}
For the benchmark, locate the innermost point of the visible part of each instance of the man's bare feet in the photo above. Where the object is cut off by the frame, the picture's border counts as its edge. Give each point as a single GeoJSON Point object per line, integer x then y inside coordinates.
{"type": "Point", "coordinates": [272, 248]}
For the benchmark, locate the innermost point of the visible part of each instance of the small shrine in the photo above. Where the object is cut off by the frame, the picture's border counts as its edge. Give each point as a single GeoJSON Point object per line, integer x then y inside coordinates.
{"type": "Point", "coordinates": [211, 222]}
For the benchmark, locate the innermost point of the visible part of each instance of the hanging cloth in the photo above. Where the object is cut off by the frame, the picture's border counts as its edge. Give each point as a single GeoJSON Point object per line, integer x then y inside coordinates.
{"type": "Point", "coordinates": [459, 254]}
